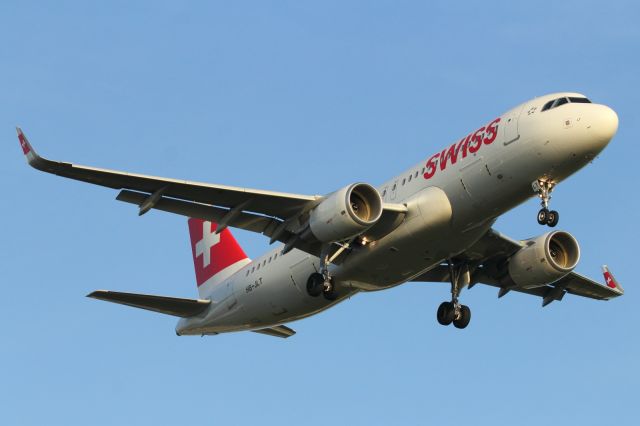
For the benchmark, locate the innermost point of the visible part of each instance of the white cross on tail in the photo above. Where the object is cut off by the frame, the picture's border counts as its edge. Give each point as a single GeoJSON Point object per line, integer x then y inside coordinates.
{"type": "Point", "coordinates": [209, 239]}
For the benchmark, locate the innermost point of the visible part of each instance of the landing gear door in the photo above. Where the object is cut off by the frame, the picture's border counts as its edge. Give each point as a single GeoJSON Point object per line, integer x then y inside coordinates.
{"type": "Point", "coordinates": [509, 126]}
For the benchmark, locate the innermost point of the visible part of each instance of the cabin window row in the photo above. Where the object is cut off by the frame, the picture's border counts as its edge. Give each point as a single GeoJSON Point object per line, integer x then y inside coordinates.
{"type": "Point", "coordinates": [404, 181]}
{"type": "Point", "coordinates": [257, 266]}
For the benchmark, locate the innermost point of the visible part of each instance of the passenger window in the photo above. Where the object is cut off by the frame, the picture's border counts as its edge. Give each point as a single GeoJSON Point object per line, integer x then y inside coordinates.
{"type": "Point", "coordinates": [416, 174]}
{"type": "Point", "coordinates": [247, 274]}
{"type": "Point", "coordinates": [410, 176]}
{"type": "Point", "coordinates": [269, 259]}
{"type": "Point", "coordinates": [423, 170]}
{"type": "Point", "coordinates": [394, 187]}
{"type": "Point", "coordinates": [274, 256]}
{"type": "Point", "coordinates": [384, 193]}
{"type": "Point", "coordinates": [258, 267]}
{"type": "Point", "coordinates": [403, 181]}
{"type": "Point", "coordinates": [253, 269]}
{"type": "Point", "coordinates": [264, 262]}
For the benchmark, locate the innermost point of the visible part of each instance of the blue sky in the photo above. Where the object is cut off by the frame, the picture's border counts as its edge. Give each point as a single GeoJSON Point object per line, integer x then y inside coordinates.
{"type": "Point", "coordinates": [300, 97]}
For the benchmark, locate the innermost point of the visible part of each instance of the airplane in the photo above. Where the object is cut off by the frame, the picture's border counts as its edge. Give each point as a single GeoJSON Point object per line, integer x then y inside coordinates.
{"type": "Point", "coordinates": [431, 223]}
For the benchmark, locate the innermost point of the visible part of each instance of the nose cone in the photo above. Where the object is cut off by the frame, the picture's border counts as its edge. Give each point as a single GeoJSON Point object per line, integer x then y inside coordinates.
{"type": "Point", "coordinates": [603, 124]}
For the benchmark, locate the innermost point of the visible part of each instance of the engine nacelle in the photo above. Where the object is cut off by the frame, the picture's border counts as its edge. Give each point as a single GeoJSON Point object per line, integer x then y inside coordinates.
{"type": "Point", "coordinates": [346, 213]}
{"type": "Point", "coordinates": [544, 259]}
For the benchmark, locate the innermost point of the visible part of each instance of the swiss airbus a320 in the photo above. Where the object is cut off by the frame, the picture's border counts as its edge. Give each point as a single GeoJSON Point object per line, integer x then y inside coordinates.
{"type": "Point", "coordinates": [431, 223]}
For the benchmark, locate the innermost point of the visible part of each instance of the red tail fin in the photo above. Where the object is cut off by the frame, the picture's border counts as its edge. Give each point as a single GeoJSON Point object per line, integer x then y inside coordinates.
{"type": "Point", "coordinates": [215, 256]}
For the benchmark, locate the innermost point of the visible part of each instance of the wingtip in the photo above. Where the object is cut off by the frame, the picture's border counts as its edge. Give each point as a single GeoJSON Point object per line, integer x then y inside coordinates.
{"type": "Point", "coordinates": [27, 149]}
{"type": "Point", "coordinates": [610, 280]}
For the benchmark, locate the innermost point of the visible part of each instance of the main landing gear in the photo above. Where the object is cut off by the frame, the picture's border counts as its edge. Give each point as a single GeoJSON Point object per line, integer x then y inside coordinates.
{"type": "Point", "coordinates": [454, 312]}
{"type": "Point", "coordinates": [322, 283]}
{"type": "Point", "coordinates": [543, 188]}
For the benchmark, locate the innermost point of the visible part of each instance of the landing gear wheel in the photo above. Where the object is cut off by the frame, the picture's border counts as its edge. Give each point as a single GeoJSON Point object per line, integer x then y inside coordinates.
{"type": "Point", "coordinates": [315, 284]}
{"type": "Point", "coordinates": [543, 217]}
{"type": "Point", "coordinates": [463, 318]}
{"type": "Point", "coordinates": [543, 188]}
{"type": "Point", "coordinates": [330, 294]}
{"type": "Point", "coordinates": [446, 313]}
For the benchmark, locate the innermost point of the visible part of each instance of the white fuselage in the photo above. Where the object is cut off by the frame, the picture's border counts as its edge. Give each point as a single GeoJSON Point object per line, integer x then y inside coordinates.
{"type": "Point", "coordinates": [453, 197]}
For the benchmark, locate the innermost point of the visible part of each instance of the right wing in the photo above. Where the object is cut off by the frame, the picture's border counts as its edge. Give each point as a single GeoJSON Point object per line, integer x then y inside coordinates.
{"type": "Point", "coordinates": [276, 214]}
{"type": "Point", "coordinates": [270, 203]}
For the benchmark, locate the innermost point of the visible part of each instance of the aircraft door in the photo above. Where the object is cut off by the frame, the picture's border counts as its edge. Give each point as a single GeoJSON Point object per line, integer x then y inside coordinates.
{"type": "Point", "coordinates": [510, 131]}
{"type": "Point", "coordinates": [475, 189]}
{"type": "Point", "coordinates": [473, 180]}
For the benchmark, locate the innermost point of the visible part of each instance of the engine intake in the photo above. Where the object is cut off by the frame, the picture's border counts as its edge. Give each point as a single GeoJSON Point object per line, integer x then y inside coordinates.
{"type": "Point", "coordinates": [346, 213]}
{"type": "Point", "coordinates": [544, 259]}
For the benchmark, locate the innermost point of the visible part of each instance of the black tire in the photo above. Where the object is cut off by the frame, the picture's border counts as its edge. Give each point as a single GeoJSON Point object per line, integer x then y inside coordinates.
{"type": "Point", "coordinates": [543, 217]}
{"type": "Point", "coordinates": [315, 284]}
{"type": "Point", "coordinates": [445, 313]}
{"type": "Point", "coordinates": [465, 317]}
{"type": "Point", "coordinates": [331, 294]}
{"type": "Point", "coordinates": [553, 218]}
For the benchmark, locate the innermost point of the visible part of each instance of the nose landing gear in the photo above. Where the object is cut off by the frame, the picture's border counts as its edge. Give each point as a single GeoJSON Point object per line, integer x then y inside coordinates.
{"type": "Point", "coordinates": [454, 312]}
{"type": "Point", "coordinates": [543, 188]}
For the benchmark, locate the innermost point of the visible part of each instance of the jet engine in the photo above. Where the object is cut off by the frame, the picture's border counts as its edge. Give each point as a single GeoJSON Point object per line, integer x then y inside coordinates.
{"type": "Point", "coordinates": [544, 259]}
{"type": "Point", "coordinates": [346, 213]}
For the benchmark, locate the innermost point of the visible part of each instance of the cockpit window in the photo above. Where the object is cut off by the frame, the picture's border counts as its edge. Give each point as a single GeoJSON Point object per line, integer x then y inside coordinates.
{"type": "Point", "coordinates": [579, 100]}
{"type": "Point", "coordinates": [547, 105]}
{"type": "Point", "coordinates": [561, 101]}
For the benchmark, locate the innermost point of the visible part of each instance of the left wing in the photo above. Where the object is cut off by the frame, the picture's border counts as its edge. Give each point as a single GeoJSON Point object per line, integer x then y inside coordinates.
{"type": "Point", "coordinates": [494, 248]}
{"type": "Point", "coordinates": [267, 212]}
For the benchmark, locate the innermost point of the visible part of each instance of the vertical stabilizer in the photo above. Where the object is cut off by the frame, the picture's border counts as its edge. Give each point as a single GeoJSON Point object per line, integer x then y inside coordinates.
{"type": "Point", "coordinates": [215, 256]}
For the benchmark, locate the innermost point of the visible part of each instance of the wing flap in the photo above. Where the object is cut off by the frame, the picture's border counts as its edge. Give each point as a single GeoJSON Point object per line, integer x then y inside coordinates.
{"type": "Point", "coordinates": [165, 305]}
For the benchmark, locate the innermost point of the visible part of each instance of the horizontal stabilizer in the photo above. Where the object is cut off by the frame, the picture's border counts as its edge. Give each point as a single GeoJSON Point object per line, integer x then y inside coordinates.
{"type": "Point", "coordinates": [277, 331]}
{"type": "Point", "coordinates": [165, 305]}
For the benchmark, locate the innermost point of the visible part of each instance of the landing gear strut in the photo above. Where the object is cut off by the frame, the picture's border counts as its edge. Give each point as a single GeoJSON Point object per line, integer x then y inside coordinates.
{"type": "Point", "coordinates": [543, 188]}
{"type": "Point", "coordinates": [454, 312]}
{"type": "Point", "coordinates": [321, 283]}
